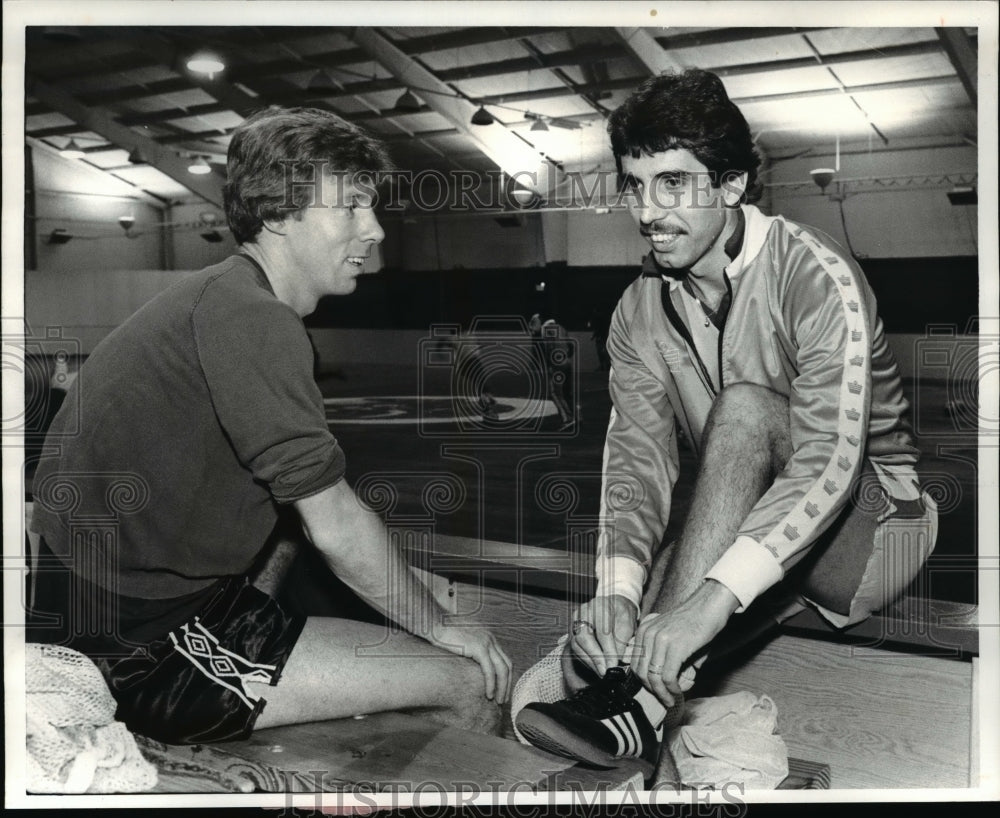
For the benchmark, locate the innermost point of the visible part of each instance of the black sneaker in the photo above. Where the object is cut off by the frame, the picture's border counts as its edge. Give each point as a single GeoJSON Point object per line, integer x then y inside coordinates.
{"type": "Point", "coordinates": [599, 725]}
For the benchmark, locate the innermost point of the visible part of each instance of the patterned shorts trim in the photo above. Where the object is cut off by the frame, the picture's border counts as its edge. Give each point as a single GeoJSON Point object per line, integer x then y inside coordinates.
{"type": "Point", "coordinates": [191, 686]}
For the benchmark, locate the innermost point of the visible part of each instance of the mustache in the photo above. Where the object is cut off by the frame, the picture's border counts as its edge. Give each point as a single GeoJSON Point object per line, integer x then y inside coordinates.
{"type": "Point", "coordinates": [649, 231]}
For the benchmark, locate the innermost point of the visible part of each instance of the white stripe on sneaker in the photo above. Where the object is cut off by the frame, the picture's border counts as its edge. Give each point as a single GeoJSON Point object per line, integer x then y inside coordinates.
{"type": "Point", "coordinates": [634, 731]}
{"type": "Point", "coordinates": [617, 732]}
{"type": "Point", "coordinates": [627, 732]}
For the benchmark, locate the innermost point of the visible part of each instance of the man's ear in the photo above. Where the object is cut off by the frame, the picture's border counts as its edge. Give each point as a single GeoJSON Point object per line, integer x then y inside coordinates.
{"type": "Point", "coordinates": [275, 226]}
{"type": "Point", "coordinates": [734, 187]}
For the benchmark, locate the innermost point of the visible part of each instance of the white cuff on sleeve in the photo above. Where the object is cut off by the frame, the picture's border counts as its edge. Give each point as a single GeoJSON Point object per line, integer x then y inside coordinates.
{"type": "Point", "coordinates": [620, 575]}
{"type": "Point", "coordinates": [747, 569]}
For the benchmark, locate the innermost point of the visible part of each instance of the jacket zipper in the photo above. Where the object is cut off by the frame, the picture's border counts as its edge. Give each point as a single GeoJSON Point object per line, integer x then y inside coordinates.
{"type": "Point", "coordinates": [722, 329]}
{"type": "Point", "coordinates": [681, 327]}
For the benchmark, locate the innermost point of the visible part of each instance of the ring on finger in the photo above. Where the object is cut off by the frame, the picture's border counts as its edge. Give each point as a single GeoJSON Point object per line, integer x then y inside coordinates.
{"type": "Point", "coordinates": [653, 669]}
{"type": "Point", "coordinates": [581, 624]}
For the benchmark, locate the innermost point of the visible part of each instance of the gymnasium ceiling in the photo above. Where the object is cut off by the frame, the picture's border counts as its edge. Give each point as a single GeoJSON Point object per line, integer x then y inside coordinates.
{"type": "Point", "coordinates": [126, 97]}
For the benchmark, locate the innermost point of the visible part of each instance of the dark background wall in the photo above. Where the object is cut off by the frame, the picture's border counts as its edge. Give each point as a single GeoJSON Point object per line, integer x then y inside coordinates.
{"type": "Point", "coordinates": [912, 294]}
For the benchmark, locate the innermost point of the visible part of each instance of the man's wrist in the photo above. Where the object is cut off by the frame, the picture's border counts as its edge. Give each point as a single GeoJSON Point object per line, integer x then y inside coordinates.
{"type": "Point", "coordinates": [719, 596]}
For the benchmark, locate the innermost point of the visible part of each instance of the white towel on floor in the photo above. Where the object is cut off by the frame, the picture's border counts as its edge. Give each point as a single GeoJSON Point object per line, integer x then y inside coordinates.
{"type": "Point", "coordinates": [730, 739]}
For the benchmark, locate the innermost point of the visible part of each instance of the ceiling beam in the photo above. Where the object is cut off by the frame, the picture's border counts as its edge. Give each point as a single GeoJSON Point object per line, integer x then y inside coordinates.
{"type": "Point", "coordinates": [510, 153]}
{"type": "Point", "coordinates": [964, 58]}
{"type": "Point", "coordinates": [132, 190]}
{"type": "Point", "coordinates": [118, 63]}
{"type": "Point", "coordinates": [896, 85]}
{"type": "Point", "coordinates": [645, 48]}
{"type": "Point", "coordinates": [586, 55]}
{"type": "Point", "coordinates": [208, 187]}
{"type": "Point", "coordinates": [547, 93]}
{"type": "Point", "coordinates": [770, 66]}
{"type": "Point", "coordinates": [577, 56]}
{"type": "Point", "coordinates": [624, 84]}
{"type": "Point", "coordinates": [726, 36]}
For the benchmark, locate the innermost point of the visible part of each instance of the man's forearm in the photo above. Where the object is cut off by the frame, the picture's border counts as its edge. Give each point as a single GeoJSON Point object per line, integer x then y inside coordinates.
{"type": "Point", "coordinates": [356, 545]}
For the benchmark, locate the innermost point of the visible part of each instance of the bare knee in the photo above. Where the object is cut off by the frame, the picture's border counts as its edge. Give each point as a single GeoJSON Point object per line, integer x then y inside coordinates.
{"type": "Point", "coordinates": [748, 402]}
{"type": "Point", "coordinates": [753, 417]}
{"type": "Point", "coordinates": [467, 704]}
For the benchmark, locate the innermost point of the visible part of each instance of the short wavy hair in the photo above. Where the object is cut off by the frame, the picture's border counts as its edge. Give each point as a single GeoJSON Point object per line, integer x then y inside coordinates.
{"type": "Point", "coordinates": [275, 146]}
{"type": "Point", "coordinates": [687, 110]}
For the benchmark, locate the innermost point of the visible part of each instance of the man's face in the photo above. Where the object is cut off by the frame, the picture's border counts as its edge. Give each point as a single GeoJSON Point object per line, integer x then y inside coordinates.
{"type": "Point", "coordinates": [681, 214]}
{"type": "Point", "coordinates": [330, 239]}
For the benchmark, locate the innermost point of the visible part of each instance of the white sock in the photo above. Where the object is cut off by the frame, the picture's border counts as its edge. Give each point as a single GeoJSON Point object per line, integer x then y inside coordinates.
{"type": "Point", "coordinates": [652, 707]}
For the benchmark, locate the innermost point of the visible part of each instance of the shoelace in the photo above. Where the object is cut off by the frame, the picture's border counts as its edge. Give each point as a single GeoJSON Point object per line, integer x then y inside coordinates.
{"type": "Point", "coordinates": [607, 696]}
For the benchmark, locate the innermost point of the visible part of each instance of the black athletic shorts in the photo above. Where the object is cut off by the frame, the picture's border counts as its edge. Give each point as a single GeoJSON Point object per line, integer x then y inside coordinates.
{"type": "Point", "coordinates": [188, 684]}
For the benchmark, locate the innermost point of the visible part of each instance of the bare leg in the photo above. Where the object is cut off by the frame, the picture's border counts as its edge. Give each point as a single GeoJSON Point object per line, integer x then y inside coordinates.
{"type": "Point", "coordinates": [745, 444]}
{"type": "Point", "coordinates": [327, 676]}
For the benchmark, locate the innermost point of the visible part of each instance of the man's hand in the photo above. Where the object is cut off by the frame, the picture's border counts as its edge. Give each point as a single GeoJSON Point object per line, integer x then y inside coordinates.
{"type": "Point", "coordinates": [601, 630]}
{"type": "Point", "coordinates": [665, 642]}
{"type": "Point", "coordinates": [478, 644]}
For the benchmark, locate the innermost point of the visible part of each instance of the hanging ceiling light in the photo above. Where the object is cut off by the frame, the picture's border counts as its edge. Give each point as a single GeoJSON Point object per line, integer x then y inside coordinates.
{"type": "Point", "coordinates": [407, 102]}
{"type": "Point", "coordinates": [199, 167]}
{"type": "Point", "coordinates": [482, 117]}
{"type": "Point", "coordinates": [72, 150]}
{"type": "Point", "coordinates": [205, 62]}
{"type": "Point", "coordinates": [822, 177]}
{"type": "Point", "coordinates": [538, 121]}
{"type": "Point", "coordinates": [320, 81]}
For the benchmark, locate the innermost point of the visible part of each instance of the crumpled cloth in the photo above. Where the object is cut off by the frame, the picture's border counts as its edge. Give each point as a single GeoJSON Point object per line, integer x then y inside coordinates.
{"type": "Point", "coordinates": [730, 738]}
{"type": "Point", "coordinates": [542, 682]}
{"type": "Point", "coordinates": [74, 743]}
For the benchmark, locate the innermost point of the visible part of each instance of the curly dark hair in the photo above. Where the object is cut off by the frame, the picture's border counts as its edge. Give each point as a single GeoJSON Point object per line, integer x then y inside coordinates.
{"type": "Point", "coordinates": [277, 152]}
{"type": "Point", "coordinates": [688, 110]}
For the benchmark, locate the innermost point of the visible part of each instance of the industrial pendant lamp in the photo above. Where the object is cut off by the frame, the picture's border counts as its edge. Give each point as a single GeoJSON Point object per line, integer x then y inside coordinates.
{"type": "Point", "coordinates": [72, 150]}
{"type": "Point", "coordinates": [482, 117]}
{"type": "Point", "coordinates": [199, 167]}
{"type": "Point", "coordinates": [205, 62]}
{"type": "Point", "coordinates": [407, 102]}
{"type": "Point", "coordinates": [320, 81]}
